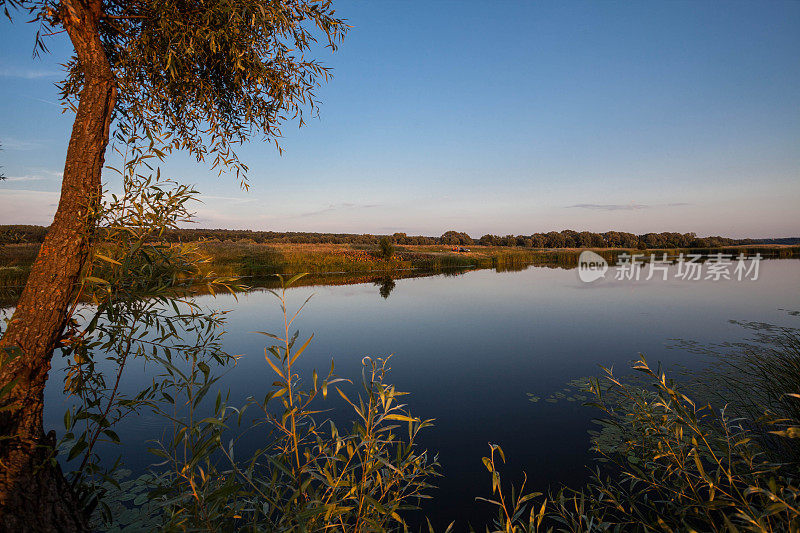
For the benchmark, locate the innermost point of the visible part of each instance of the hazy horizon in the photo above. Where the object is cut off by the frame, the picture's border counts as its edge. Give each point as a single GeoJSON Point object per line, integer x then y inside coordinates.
{"type": "Point", "coordinates": [474, 236]}
{"type": "Point", "coordinates": [483, 118]}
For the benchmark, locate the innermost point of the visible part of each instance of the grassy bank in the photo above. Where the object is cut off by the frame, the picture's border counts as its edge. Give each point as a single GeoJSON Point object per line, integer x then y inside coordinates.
{"type": "Point", "coordinates": [353, 263]}
{"type": "Point", "coordinates": [247, 259]}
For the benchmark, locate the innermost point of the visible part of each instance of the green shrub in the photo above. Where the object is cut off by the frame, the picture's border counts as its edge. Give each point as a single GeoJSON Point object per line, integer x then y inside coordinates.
{"type": "Point", "coordinates": [752, 377]}
{"type": "Point", "coordinates": [669, 464]}
{"type": "Point", "coordinates": [387, 247]}
{"type": "Point", "coordinates": [308, 474]}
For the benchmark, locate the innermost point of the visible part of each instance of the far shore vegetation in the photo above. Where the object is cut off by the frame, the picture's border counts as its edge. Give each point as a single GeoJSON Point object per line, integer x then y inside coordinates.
{"type": "Point", "coordinates": [336, 259]}
{"type": "Point", "coordinates": [20, 233]}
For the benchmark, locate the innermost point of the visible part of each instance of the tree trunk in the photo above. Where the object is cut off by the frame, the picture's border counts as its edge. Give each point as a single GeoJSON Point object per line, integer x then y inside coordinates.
{"type": "Point", "coordinates": [33, 493]}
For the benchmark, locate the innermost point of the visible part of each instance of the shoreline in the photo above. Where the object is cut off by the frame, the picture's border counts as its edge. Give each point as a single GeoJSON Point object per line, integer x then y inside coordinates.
{"type": "Point", "coordinates": [337, 264]}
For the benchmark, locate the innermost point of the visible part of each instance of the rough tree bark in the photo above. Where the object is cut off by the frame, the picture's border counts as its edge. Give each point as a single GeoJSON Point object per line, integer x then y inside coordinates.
{"type": "Point", "coordinates": [34, 495]}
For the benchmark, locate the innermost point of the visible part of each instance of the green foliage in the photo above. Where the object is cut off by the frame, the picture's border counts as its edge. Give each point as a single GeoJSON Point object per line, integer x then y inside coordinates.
{"type": "Point", "coordinates": [673, 465]}
{"type": "Point", "coordinates": [387, 247]}
{"type": "Point", "coordinates": [576, 390]}
{"type": "Point", "coordinates": [456, 238]}
{"type": "Point", "coordinates": [308, 476]}
{"type": "Point", "coordinates": [141, 310]}
{"type": "Point", "coordinates": [610, 239]}
{"type": "Point", "coordinates": [752, 377]}
{"type": "Point", "coordinates": [685, 465]}
{"type": "Point", "coordinates": [204, 76]}
{"type": "Point", "coordinates": [129, 506]}
{"type": "Point", "coordinates": [513, 514]}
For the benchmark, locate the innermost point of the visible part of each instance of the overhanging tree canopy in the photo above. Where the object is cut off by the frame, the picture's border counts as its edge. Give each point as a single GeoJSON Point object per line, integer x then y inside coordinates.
{"type": "Point", "coordinates": [195, 75]}
{"type": "Point", "coordinates": [205, 75]}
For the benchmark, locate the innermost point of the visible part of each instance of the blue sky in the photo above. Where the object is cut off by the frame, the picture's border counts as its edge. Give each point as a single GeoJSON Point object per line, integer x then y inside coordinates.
{"type": "Point", "coordinates": [492, 117]}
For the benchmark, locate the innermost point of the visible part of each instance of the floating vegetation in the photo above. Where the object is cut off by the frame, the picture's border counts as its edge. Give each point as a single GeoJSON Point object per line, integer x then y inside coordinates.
{"type": "Point", "coordinates": [576, 390]}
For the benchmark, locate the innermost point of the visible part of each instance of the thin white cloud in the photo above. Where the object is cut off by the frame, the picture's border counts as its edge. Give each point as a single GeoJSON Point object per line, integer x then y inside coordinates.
{"type": "Point", "coordinates": [337, 207]}
{"type": "Point", "coordinates": [624, 207]}
{"type": "Point", "coordinates": [28, 73]}
{"type": "Point", "coordinates": [12, 143]}
{"type": "Point", "coordinates": [37, 174]}
{"type": "Point", "coordinates": [50, 102]}
{"type": "Point", "coordinates": [610, 207]}
{"type": "Point", "coordinates": [52, 173]}
{"type": "Point", "coordinates": [24, 178]}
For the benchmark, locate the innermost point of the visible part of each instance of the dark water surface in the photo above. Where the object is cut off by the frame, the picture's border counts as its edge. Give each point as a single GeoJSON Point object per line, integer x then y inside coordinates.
{"type": "Point", "coordinates": [470, 347]}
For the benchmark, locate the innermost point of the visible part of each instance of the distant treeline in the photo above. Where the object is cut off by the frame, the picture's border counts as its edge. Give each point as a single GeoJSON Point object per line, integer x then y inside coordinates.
{"type": "Point", "coordinates": [10, 234]}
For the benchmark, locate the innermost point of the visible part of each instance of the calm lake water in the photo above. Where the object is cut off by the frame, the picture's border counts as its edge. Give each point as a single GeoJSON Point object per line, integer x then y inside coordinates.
{"type": "Point", "coordinates": [469, 348]}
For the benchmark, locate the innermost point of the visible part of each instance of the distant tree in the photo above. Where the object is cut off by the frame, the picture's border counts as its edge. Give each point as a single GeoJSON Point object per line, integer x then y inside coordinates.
{"type": "Point", "coordinates": [539, 240]}
{"type": "Point", "coordinates": [172, 75]}
{"type": "Point", "coordinates": [628, 240]}
{"type": "Point", "coordinates": [455, 238]}
{"type": "Point", "coordinates": [400, 238]}
{"type": "Point", "coordinates": [489, 240]}
{"type": "Point", "coordinates": [584, 239]}
{"type": "Point", "coordinates": [651, 240]}
{"type": "Point", "coordinates": [612, 239]}
{"type": "Point", "coordinates": [387, 247]}
{"type": "Point", "coordinates": [555, 240]}
{"type": "Point", "coordinates": [570, 238]}
{"type": "Point", "coordinates": [508, 240]}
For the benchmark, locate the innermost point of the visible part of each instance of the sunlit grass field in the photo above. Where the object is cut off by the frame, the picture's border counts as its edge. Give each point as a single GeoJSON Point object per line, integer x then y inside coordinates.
{"type": "Point", "coordinates": [252, 260]}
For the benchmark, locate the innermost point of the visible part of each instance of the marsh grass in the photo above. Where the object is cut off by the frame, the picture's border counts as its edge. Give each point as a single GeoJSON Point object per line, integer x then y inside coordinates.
{"type": "Point", "coordinates": [307, 475]}
{"type": "Point", "coordinates": [668, 463]}
{"type": "Point", "coordinates": [261, 261]}
{"type": "Point", "coordinates": [755, 379]}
